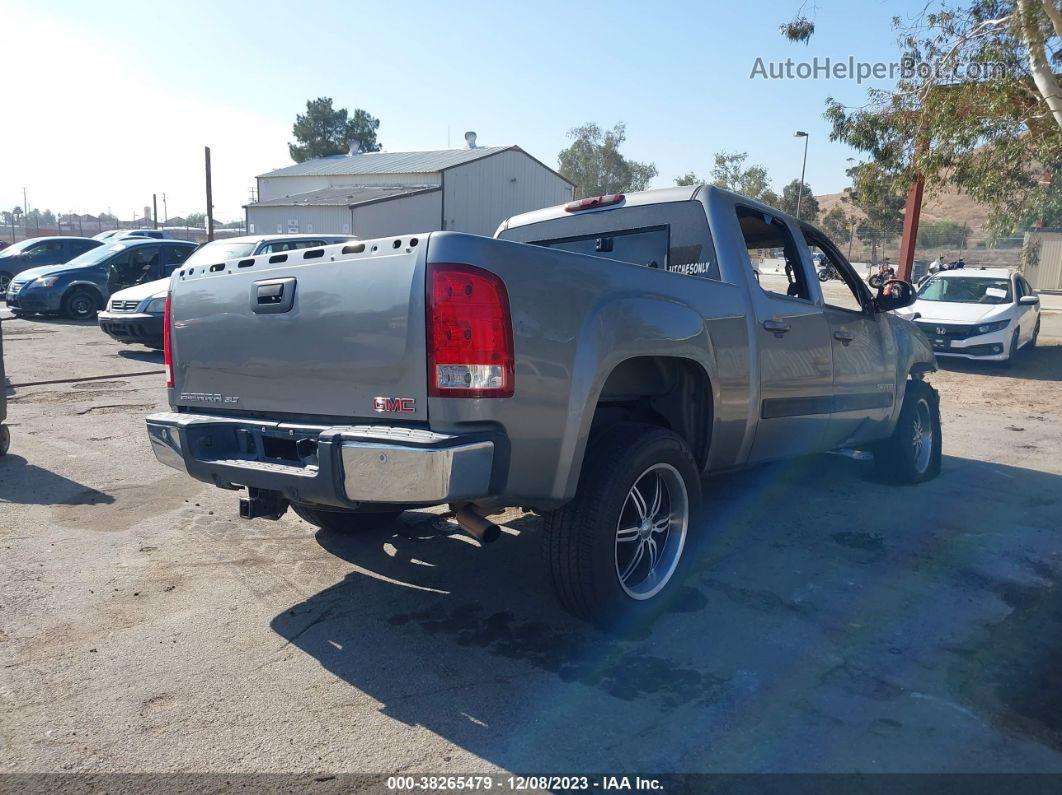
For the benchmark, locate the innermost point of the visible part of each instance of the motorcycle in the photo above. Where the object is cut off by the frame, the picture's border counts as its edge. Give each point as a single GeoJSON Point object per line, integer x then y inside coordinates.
{"type": "Point", "coordinates": [885, 273]}
{"type": "Point", "coordinates": [827, 272]}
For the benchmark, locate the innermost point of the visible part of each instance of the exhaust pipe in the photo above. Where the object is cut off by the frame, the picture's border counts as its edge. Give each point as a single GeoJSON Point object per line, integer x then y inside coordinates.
{"type": "Point", "coordinates": [483, 530]}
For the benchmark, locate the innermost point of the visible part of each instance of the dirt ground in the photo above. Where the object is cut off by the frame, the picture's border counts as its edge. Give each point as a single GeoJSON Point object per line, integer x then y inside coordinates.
{"type": "Point", "coordinates": [832, 623]}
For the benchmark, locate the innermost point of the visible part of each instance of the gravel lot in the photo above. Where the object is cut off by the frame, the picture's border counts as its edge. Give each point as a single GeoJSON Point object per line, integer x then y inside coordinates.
{"type": "Point", "coordinates": [833, 623]}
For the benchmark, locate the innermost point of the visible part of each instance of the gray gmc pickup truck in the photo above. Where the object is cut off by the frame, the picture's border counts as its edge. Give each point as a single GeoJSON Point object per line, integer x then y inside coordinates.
{"type": "Point", "coordinates": [592, 362]}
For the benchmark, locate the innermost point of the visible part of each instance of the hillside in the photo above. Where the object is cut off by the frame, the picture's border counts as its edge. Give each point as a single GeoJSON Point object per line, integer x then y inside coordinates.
{"type": "Point", "coordinates": [947, 205]}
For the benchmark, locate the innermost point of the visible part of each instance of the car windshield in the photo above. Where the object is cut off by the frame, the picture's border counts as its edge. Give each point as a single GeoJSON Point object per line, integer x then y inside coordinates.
{"type": "Point", "coordinates": [15, 248]}
{"type": "Point", "coordinates": [219, 251]}
{"type": "Point", "coordinates": [96, 255]}
{"type": "Point", "coordinates": [966, 290]}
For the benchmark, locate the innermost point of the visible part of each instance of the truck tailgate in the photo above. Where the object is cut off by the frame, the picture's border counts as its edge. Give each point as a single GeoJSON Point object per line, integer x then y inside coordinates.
{"type": "Point", "coordinates": [314, 332]}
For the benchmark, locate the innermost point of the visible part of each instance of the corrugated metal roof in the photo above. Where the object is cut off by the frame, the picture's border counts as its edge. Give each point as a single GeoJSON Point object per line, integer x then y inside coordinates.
{"type": "Point", "coordinates": [344, 197]}
{"type": "Point", "coordinates": [386, 162]}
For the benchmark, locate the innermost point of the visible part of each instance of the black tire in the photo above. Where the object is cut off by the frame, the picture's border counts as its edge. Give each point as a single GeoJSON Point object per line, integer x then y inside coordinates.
{"type": "Point", "coordinates": [5, 280]}
{"type": "Point", "coordinates": [898, 458]}
{"type": "Point", "coordinates": [339, 521]}
{"type": "Point", "coordinates": [1012, 350]}
{"type": "Point", "coordinates": [5, 440]}
{"type": "Point", "coordinates": [824, 276]}
{"type": "Point", "coordinates": [876, 281]}
{"type": "Point", "coordinates": [80, 304]}
{"type": "Point", "coordinates": [1036, 335]}
{"type": "Point", "coordinates": [583, 538]}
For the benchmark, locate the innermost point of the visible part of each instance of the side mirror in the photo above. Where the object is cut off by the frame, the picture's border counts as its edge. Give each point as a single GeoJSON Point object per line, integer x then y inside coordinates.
{"type": "Point", "coordinates": [894, 294]}
{"type": "Point", "coordinates": [1029, 300]}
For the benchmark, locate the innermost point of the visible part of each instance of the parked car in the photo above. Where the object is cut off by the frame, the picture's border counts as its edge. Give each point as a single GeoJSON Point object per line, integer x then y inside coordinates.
{"type": "Point", "coordinates": [36, 251]}
{"type": "Point", "coordinates": [79, 288]}
{"type": "Point", "coordinates": [986, 314]}
{"type": "Point", "coordinates": [592, 363]}
{"type": "Point", "coordinates": [134, 315]}
{"type": "Point", "coordinates": [249, 245]}
{"type": "Point", "coordinates": [118, 234]}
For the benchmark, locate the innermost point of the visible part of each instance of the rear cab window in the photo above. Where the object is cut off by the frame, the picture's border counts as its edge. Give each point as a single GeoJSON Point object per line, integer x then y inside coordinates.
{"type": "Point", "coordinates": [670, 236]}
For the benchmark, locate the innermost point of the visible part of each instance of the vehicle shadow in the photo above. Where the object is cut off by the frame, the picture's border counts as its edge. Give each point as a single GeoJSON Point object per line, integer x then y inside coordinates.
{"type": "Point", "coordinates": [23, 483]}
{"type": "Point", "coordinates": [800, 568]}
{"type": "Point", "coordinates": [142, 355]}
{"type": "Point", "coordinates": [1042, 363]}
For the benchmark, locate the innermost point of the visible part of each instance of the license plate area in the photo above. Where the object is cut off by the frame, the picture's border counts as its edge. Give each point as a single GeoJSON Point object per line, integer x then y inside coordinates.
{"type": "Point", "coordinates": [940, 343]}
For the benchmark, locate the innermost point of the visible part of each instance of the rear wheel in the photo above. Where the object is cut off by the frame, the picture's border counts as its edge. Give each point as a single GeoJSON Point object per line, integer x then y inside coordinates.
{"type": "Point", "coordinates": [1036, 335]}
{"type": "Point", "coordinates": [876, 281]}
{"type": "Point", "coordinates": [5, 440]}
{"type": "Point", "coordinates": [912, 454]}
{"type": "Point", "coordinates": [617, 551]}
{"type": "Point", "coordinates": [339, 521]}
{"type": "Point", "coordinates": [5, 280]}
{"type": "Point", "coordinates": [80, 304]}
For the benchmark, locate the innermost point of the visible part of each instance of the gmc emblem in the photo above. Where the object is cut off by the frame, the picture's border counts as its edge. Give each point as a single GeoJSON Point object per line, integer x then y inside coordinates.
{"type": "Point", "coordinates": [394, 405]}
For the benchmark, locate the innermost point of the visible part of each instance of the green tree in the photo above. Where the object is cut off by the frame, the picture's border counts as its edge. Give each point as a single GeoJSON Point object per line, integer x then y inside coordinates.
{"type": "Point", "coordinates": [594, 163]}
{"type": "Point", "coordinates": [838, 225]}
{"type": "Point", "coordinates": [729, 173]}
{"type": "Point", "coordinates": [195, 219]}
{"type": "Point", "coordinates": [106, 218]}
{"type": "Point", "coordinates": [324, 130]}
{"type": "Point", "coordinates": [689, 178]}
{"type": "Point", "coordinates": [942, 234]}
{"type": "Point", "coordinates": [992, 129]}
{"type": "Point", "coordinates": [809, 205]}
{"type": "Point", "coordinates": [882, 206]}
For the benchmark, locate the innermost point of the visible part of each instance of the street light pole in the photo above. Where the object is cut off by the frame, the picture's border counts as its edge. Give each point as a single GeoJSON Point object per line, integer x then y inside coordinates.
{"type": "Point", "coordinates": [803, 168]}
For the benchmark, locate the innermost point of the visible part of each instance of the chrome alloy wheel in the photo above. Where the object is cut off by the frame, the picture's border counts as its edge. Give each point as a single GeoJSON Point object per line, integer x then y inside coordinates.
{"type": "Point", "coordinates": [651, 531]}
{"type": "Point", "coordinates": [922, 436]}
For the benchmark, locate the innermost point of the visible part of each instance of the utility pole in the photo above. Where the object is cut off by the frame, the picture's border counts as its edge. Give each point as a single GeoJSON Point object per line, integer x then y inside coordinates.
{"type": "Point", "coordinates": [209, 197]}
{"type": "Point", "coordinates": [154, 211]}
{"type": "Point", "coordinates": [165, 212]}
{"type": "Point", "coordinates": [25, 203]}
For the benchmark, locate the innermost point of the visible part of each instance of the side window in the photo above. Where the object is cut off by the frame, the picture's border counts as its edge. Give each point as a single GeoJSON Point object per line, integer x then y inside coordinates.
{"type": "Point", "coordinates": [308, 243]}
{"type": "Point", "coordinates": [144, 264]}
{"type": "Point", "coordinates": [79, 247]}
{"type": "Point", "coordinates": [773, 254]}
{"type": "Point", "coordinates": [840, 284]}
{"type": "Point", "coordinates": [47, 253]}
{"type": "Point", "coordinates": [175, 255]}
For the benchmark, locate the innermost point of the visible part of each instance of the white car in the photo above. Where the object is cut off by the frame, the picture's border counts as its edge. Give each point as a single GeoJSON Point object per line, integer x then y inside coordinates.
{"type": "Point", "coordinates": [977, 313]}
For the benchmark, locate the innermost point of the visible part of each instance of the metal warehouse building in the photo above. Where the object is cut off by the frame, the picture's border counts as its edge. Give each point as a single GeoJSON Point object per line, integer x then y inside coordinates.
{"type": "Point", "coordinates": [376, 194]}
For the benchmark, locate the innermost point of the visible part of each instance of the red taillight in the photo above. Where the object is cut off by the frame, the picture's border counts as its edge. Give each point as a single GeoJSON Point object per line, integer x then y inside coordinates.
{"type": "Point", "coordinates": [469, 333]}
{"type": "Point", "coordinates": [591, 202]}
{"type": "Point", "coordinates": [167, 344]}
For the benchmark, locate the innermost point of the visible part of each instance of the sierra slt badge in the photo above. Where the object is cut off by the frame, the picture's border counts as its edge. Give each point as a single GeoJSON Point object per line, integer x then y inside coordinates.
{"type": "Point", "coordinates": [208, 397]}
{"type": "Point", "coordinates": [392, 405]}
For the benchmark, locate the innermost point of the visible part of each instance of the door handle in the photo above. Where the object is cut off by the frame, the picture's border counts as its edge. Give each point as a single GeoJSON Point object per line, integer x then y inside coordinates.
{"type": "Point", "coordinates": [273, 296]}
{"type": "Point", "coordinates": [843, 336]}
{"type": "Point", "coordinates": [776, 327]}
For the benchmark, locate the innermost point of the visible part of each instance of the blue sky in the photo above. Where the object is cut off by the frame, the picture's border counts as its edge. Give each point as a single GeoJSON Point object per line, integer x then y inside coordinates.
{"type": "Point", "coordinates": [121, 97]}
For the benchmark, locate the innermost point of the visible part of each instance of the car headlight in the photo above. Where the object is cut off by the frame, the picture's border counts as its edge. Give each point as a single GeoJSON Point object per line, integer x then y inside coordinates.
{"type": "Point", "coordinates": [156, 306]}
{"type": "Point", "coordinates": [987, 328]}
{"type": "Point", "coordinates": [45, 281]}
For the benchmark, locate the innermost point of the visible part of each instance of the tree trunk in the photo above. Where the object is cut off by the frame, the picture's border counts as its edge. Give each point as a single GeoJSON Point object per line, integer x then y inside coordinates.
{"type": "Point", "coordinates": [1046, 84]}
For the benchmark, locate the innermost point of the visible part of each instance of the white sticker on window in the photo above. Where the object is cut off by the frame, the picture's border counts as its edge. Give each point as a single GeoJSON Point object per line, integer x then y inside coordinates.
{"type": "Point", "coordinates": [995, 292]}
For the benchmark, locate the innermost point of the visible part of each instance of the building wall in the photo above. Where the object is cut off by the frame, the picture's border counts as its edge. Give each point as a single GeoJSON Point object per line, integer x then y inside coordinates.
{"type": "Point", "coordinates": [278, 187]}
{"type": "Point", "coordinates": [420, 213]}
{"type": "Point", "coordinates": [286, 220]}
{"type": "Point", "coordinates": [479, 195]}
{"type": "Point", "coordinates": [1044, 271]}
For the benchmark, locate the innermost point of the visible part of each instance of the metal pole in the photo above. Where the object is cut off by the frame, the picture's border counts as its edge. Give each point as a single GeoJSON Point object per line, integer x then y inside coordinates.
{"type": "Point", "coordinates": [209, 198]}
{"type": "Point", "coordinates": [154, 211]}
{"type": "Point", "coordinates": [803, 167]}
{"type": "Point", "coordinates": [165, 211]}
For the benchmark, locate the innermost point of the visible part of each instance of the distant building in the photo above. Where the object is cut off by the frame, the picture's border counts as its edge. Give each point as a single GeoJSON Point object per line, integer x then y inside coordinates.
{"type": "Point", "coordinates": [375, 194]}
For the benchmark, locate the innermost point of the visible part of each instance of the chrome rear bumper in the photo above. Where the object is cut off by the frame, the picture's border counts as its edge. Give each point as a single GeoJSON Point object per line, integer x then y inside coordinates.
{"type": "Point", "coordinates": [334, 465]}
